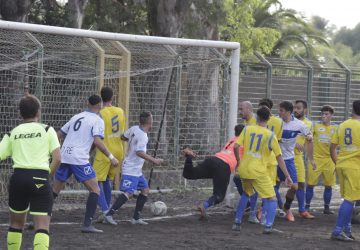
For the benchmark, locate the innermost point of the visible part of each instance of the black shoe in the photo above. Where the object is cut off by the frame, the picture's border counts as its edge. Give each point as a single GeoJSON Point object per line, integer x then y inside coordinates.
{"type": "Point", "coordinates": [328, 211]}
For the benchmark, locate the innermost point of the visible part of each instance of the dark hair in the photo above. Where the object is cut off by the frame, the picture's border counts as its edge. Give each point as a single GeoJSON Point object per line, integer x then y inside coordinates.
{"type": "Point", "coordinates": [327, 108]}
{"type": "Point", "coordinates": [29, 106]}
{"type": "Point", "coordinates": [304, 103]}
{"type": "Point", "coordinates": [238, 129]}
{"type": "Point", "coordinates": [94, 99]}
{"type": "Point", "coordinates": [266, 102]}
{"type": "Point", "coordinates": [288, 106]}
{"type": "Point", "coordinates": [106, 94]}
{"type": "Point", "coordinates": [144, 117]}
{"type": "Point", "coordinates": [356, 107]}
{"type": "Point", "coordinates": [263, 114]}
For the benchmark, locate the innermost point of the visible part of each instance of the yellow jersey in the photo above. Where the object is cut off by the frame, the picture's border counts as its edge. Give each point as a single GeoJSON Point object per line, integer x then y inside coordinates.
{"type": "Point", "coordinates": [300, 139]}
{"type": "Point", "coordinates": [347, 137]}
{"type": "Point", "coordinates": [251, 121]}
{"type": "Point", "coordinates": [114, 120]}
{"type": "Point", "coordinates": [258, 143]}
{"type": "Point", "coordinates": [275, 124]}
{"type": "Point", "coordinates": [322, 135]}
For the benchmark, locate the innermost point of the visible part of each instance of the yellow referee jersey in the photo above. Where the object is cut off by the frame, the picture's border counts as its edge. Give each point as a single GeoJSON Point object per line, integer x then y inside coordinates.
{"type": "Point", "coordinates": [258, 143]}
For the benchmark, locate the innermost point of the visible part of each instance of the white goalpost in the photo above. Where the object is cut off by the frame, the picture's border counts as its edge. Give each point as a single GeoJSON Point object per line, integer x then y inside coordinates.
{"type": "Point", "coordinates": [63, 66]}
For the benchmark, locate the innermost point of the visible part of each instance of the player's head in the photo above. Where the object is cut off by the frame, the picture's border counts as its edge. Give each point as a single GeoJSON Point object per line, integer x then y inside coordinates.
{"type": "Point", "coordinates": [30, 107]}
{"type": "Point", "coordinates": [238, 129]}
{"type": "Point", "coordinates": [106, 94]}
{"type": "Point", "coordinates": [326, 113]}
{"type": "Point", "coordinates": [356, 107]}
{"type": "Point", "coordinates": [146, 120]}
{"type": "Point", "coordinates": [94, 103]}
{"type": "Point", "coordinates": [300, 109]}
{"type": "Point", "coordinates": [285, 109]}
{"type": "Point", "coordinates": [245, 110]}
{"type": "Point", "coordinates": [266, 102]}
{"type": "Point", "coordinates": [263, 114]}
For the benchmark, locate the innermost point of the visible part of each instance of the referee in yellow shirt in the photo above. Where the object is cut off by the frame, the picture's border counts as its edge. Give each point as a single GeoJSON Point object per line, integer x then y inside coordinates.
{"type": "Point", "coordinates": [30, 145]}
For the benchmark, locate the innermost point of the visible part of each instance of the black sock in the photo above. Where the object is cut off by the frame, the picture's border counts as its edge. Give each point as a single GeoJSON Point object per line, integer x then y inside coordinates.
{"type": "Point", "coordinates": [121, 200]}
{"type": "Point", "coordinates": [55, 195]}
{"type": "Point", "coordinates": [327, 207]}
{"type": "Point", "coordinates": [91, 205]}
{"type": "Point", "coordinates": [140, 202]}
{"type": "Point", "coordinates": [288, 202]}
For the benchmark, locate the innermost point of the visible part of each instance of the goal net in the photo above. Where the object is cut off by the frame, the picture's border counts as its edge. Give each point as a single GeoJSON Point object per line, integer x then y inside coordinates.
{"type": "Point", "coordinates": [64, 69]}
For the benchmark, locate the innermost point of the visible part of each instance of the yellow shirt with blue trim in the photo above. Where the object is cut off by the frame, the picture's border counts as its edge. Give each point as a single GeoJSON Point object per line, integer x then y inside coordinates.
{"type": "Point", "coordinates": [300, 139]}
{"type": "Point", "coordinates": [347, 136]}
{"type": "Point", "coordinates": [251, 121]}
{"type": "Point", "coordinates": [258, 143]}
{"type": "Point", "coordinates": [30, 145]}
{"type": "Point", "coordinates": [114, 120]}
{"type": "Point", "coordinates": [322, 135]}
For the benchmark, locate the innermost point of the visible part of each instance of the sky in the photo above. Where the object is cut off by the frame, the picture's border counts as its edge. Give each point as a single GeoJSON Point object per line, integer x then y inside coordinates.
{"type": "Point", "coordinates": [341, 13]}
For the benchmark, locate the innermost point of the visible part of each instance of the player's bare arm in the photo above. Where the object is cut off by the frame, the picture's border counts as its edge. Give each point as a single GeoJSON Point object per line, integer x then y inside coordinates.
{"type": "Point", "coordinates": [333, 152]}
{"type": "Point", "coordinates": [309, 146]}
{"type": "Point", "coordinates": [156, 161]}
{"type": "Point", "coordinates": [55, 161]}
{"type": "Point", "coordinates": [237, 156]}
{"type": "Point", "coordinates": [60, 135]}
{"type": "Point", "coordinates": [101, 146]}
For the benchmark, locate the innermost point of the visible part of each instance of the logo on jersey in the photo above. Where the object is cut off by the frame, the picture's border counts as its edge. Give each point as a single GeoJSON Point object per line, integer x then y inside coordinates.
{"type": "Point", "coordinates": [87, 170]}
{"type": "Point", "coordinates": [27, 136]}
{"type": "Point", "coordinates": [321, 129]}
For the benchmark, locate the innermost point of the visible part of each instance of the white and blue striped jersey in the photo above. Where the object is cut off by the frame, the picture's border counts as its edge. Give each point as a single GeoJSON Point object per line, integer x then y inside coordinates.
{"type": "Point", "coordinates": [79, 136]}
{"type": "Point", "coordinates": [288, 139]}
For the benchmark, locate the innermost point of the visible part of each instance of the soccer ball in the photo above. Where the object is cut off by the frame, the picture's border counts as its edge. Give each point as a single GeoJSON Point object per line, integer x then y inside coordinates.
{"type": "Point", "coordinates": [158, 208]}
{"type": "Point", "coordinates": [356, 216]}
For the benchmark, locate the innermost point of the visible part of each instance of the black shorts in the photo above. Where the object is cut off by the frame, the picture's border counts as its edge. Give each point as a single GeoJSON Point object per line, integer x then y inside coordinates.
{"type": "Point", "coordinates": [30, 189]}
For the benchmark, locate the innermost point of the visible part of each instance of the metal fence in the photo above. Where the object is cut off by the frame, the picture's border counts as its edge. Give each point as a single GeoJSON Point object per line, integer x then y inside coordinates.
{"type": "Point", "coordinates": [319, 83]}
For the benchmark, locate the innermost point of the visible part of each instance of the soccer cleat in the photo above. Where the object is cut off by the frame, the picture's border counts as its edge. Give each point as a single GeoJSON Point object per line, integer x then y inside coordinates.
{"type": "Point", "coordinates": [328, 211]}
{"type": "Point", "coordinates": [236, 227]}
{"type": "Point", "coordinates": [253, 220]}
{"type": "Point", "coordinates": [270, 230]}
{"type": "Point", "coordinates": [289, 215]}
{"type": "Point", "coordinates": [340, 237]}
{"type": "Point", "coordinates": [138, 222]}
{"type": "Point", "coordinates": [90, 229]}
{"type": "Point", "coordinates": [108, 219]}
{"type": "Point", "coordinates": [350, 236]}
{"type": "Point", "coordinates": [281, 213]}
{"type": "Point", "coordinates": [202, 211]}
{"type": "Point", "coordinates": [306, 215]}
{"type": "Point", "coordinates": [188, 151]}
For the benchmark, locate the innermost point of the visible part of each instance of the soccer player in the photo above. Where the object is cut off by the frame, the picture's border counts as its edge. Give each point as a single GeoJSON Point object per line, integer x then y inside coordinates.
{"type": "Point", "coordinates": [132, 178]}
{"type": "Point", "coordinates": [30, 145]}
{"type": "Point", "coordinates": [300, 109]}
{"type": "Point", "coordinates": [291, 128]}
{"type": "Point", "coordinates": [347, 137]}
{"type": "Point", "coordinates": [114, 120]}
{"type": "Point", "coordinates": [322, 133]}
{"type": "Point", "coordinates": [246, 113]}
{"type": "Point", "coordinates": [258, 144]}
{"type": "Point", "coordinates": [79, 134]}
{"type": "Point", "coordinates": [217, 167]}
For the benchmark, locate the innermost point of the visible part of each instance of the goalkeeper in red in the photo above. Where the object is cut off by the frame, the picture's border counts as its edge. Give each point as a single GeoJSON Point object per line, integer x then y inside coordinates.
{"type": "Point", "coordinates": [258, 143]}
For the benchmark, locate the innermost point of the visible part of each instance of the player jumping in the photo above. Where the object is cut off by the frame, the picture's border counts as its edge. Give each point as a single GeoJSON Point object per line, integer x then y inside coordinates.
{"type": "Point", "coordinates": [217, 167]}
{"type": "Point", "coordinates": [132, 178]}
{"type": "Point", "coordinates": [80, 133]}
{"type": "Point", "coordinates": [322, 133]}
{"type": "Point", "coordinates": [347, 137]}
{"type": "Point", "coordinates": [258, 144]}
{"type": "Point", "coordinates": [30, 145]}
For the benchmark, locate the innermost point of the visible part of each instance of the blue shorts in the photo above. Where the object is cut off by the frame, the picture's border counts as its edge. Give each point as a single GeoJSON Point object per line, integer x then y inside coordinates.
{"type": "Point", "coordinates": [81, 172]}
{"type": "Point", "coordinates": [130, 184]}
{"type": "Point", "coordinates": [290, 165]}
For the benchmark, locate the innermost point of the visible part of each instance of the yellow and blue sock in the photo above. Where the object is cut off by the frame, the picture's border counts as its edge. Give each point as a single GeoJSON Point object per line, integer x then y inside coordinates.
{"type": "Point", "coordinates": [107, 186]}
{"type": "Point", "coordinates": [102, 199]}
{"type": "Point", "coordinates": [300, 195]}
{"type": "Point", "coordinates": [253, 200]}
{"type": "Point", "coordinates": [41, 240]}
{"type": "Point", "coordinates": [270, 212]}
{"type": "Point", "coordinates": [344, 215]}
{"type": "Point", "coordinates": [14, 239]}
{"type": "Point", "coordinates": [278, 197]}
{"type": "Point", "coordinates": [308, 196]}
{"type": "Point", "coordinates": [241, 208]}
{"type": "Point", "coordinates": [327, 197]}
